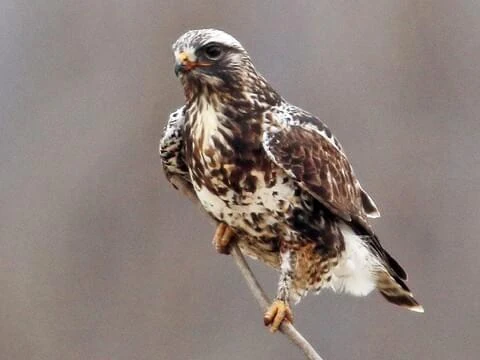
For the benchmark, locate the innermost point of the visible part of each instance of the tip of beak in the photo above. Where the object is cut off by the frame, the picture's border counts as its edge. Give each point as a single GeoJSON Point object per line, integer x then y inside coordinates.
{"type": "Point", "coordinates": [178, 69]}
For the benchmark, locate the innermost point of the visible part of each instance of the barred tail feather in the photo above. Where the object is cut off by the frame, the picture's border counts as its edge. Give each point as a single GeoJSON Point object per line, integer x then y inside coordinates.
{"type": "Point", "coordinates": [396, 291]}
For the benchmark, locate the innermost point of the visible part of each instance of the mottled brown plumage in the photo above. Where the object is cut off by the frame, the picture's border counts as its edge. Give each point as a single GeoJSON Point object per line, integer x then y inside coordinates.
{"type": "Point", "coordinates": [275, 175]}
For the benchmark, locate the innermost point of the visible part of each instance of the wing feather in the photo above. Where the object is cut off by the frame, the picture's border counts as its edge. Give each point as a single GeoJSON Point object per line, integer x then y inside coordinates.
{"type": "Point", "coordinates": [303, 147]}
{"type": "Point", "coordinates": [172, 151]}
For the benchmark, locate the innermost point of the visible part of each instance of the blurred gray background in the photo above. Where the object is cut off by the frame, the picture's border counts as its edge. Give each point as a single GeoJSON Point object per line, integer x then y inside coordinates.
{"type": "Point", "coordinates": [100, 259]}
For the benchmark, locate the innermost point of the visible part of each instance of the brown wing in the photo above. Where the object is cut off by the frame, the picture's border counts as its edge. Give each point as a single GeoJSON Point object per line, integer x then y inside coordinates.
{"type": "Point", "coordinates": [320, 167]}
{"type": "Point", "coordinates": [171, 147]}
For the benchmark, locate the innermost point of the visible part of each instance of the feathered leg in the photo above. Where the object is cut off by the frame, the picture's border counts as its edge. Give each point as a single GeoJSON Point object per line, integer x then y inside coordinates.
{"type": "Point", "coordinates": [280, 308]}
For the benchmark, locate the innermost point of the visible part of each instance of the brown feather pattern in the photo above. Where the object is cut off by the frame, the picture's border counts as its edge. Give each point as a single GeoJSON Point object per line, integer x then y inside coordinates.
{"type": "Point", "coordinates": [276, 175]}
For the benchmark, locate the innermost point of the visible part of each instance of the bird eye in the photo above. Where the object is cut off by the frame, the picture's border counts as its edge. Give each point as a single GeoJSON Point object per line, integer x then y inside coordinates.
{"type": "Point", "coordinates": [213, 52]}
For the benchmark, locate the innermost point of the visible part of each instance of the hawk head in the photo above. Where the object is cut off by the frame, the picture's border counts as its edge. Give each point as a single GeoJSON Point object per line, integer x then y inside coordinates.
{"type": "Point", "coordinates": [207, 54]}
{"type": "Point", "coordinates": [210, 60]}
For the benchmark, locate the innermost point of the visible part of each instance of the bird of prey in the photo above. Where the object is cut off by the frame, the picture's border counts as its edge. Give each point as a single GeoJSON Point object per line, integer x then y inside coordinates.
{"type": "Point", "coordinates": [273, 177]}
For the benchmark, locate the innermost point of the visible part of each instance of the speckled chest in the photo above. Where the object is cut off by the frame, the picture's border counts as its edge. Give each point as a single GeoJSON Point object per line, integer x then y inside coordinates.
{"type": "Point", "coordinates": [232, 176]}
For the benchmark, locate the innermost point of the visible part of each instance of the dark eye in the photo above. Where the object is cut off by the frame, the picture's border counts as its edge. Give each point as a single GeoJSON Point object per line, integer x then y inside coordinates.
{"type": "Point", "coordinates": [213, 52]}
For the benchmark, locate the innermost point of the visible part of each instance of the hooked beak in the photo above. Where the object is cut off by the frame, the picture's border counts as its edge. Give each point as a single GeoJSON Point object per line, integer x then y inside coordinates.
{"type": "Point", "coordinates": [178, 69]}
{"type": "Point", "coordinates": [183, 64]}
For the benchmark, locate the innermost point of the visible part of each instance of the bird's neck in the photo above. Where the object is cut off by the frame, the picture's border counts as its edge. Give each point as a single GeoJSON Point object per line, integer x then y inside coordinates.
{"type": "Point", "coordinates": [230, 116]}
{"type": "Point", "coordinates": [236, 94]}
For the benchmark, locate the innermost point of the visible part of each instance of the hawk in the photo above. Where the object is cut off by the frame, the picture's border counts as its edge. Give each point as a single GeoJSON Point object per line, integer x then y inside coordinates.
{"type": "Point", "coordinates": [274, 178]}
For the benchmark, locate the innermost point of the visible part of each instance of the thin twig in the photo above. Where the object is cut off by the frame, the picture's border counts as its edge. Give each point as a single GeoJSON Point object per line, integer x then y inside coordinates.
{"type": "Point", "coordinates": [286, 327]}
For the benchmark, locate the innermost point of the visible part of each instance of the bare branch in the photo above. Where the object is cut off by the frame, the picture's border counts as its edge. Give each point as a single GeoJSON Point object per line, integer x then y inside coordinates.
{"type": "Point", "coordinates": [286, 328]}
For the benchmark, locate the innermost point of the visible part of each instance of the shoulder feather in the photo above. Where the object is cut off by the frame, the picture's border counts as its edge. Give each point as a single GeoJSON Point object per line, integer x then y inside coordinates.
{"type": "Point", "coordinates": [306, 150]}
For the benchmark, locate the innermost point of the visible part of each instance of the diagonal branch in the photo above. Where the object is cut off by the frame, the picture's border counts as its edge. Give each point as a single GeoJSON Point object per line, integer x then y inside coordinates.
{"type": "Point", "coordinates": [286, 328]}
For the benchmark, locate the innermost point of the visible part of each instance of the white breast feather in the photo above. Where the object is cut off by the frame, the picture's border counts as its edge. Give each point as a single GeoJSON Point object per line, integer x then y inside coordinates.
{"type": "Point", "coordinates": [207, 123]}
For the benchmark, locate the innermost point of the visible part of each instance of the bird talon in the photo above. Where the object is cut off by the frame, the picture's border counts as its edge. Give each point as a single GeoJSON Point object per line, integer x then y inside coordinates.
{"type": "Point", "coordinates": [222, 238]}
{"type": "Point", "coordinates": [276, 314]}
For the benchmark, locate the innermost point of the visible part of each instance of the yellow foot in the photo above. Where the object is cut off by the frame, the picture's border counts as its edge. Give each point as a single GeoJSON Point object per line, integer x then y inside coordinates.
{"type": "Point", "coordinates": [278, 312]}
{"type": "Point", "coordinates": [222, 238]}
